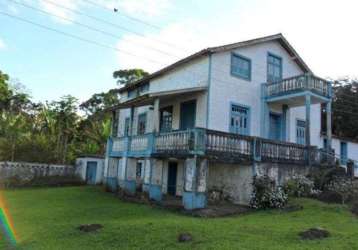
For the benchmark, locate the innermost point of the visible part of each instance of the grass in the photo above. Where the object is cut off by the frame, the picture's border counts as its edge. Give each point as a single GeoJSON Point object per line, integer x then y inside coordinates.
{"type": "Point", "coordinates": [48, 218]}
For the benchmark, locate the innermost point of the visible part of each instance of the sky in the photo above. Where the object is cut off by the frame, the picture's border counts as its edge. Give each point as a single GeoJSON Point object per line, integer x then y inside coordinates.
{"type": "Point", "coordinates": [151, 34]}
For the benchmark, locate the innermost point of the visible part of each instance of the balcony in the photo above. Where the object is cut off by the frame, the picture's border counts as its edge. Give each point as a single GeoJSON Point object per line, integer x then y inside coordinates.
{"type": "Point", "coordinates": [292, 90]}
{"type": "Point", "coordinates": [215, 145]}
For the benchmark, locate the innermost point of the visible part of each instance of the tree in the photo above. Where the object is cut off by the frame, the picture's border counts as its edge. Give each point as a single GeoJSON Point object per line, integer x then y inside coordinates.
{"type": "Point", "coordinates": [99, 102]}
{"type": "Point", "coordinates": [127, 76]}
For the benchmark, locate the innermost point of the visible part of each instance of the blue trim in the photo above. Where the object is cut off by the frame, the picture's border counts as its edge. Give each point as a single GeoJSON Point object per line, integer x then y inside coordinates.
{"type": "Point", "coordinates": [246, 59]}
{"type": "Point", "coordinates": [279, 115]}
{"type": "Point", "coordinates": [248, 115]}
{"type": "Point", "coordinates": [194, 200]}
{"type": "Point", "coordinates": [112, 183]}
{"type": "Point", "coordinates": [130, 186]}
{"type": "Point", "coordinates": [343, 152]}
{"type": "Point", "coordinates": [284, 122]}
{"type": "Point", "coordinates": [267, 62]}
{"type": "Point", "coordinates": [264, 111]}
{"type": "Point", "coordinates": [155, 192]}
{"type": "Point", "coordinates": [144, 114]}
{"type": "Point", "coordinates": [296, 93]}
{"type": "Point", "coordinates": [296, 125]}
{"type": "Point", "coordinates": [208, 92]}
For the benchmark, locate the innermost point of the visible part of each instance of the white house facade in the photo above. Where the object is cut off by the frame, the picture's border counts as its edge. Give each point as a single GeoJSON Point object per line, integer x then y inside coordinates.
{"type": "Point", "coordinates": [215, 119]}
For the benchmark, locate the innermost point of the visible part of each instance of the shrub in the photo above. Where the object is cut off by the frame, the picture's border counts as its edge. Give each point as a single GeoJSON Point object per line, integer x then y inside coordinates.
{"type": "Point", "coordinates": [266, 194]}
{"type": "Point", "coordinates": [42, 181]}
{"type": "Point", "coordinates": [299, 186]}
{"type": "Point", "coordinates": [342, 186]}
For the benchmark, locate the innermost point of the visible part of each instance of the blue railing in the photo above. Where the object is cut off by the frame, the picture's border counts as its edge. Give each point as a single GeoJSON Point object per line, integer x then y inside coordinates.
{"type": "Point", "coordinates": [221, 146]}
{"type": "Point", "coordinates": [298, 83]}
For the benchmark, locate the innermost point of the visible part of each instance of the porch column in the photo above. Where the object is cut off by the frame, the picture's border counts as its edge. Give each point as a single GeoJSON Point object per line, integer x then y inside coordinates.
{"type": "Point", "coordinates": [284, 122]}
{"type": "Point", "coordinates": [130, 176]}
{"type": "Point", "coordinates": [308, 120]}
{"type": "Point", "coordinates": [329, 124]}
{"type": "Point", "coordinates": [195, 178]}
{"type": "Point", "coordinates": [156, 116]}
{"type": "Point", "coordinates": [156, 180]}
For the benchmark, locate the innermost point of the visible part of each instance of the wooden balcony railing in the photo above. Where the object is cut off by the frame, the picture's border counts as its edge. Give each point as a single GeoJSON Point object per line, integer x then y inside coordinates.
{"type": "Point", "coordinates": [298, 83]}
{"type": "Point", "coordinates": [215, 145]}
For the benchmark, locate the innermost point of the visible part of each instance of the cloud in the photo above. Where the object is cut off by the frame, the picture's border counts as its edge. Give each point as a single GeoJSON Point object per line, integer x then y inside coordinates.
{"type": "Point", "coordinates": [2, 44]}
{"type": "Point", "coordinates": [58, 11]}
{"type": "Point", "coordinates": [326, 39]}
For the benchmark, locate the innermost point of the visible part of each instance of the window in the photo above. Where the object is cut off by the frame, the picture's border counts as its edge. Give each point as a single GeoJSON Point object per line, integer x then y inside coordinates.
{"type": "Point", "coordinates": [274, 68]}
{"type": "Point", "coordinates": [138, 171]}
{"type": "Point", "coordinates": [115, 124]}
{"type": "Point", "coordinates": [241, 66]}
{"type": "Point", "coordinates": [239, 120]}
{"type": "Point", "coordinates": [301, 132]}
{"type": "Point", "coordinates": [166, 119]}
{"type": "Point", "coordinates": [126, 126]}
{"type": "Point", "coordinates": [144, 88]}
{"type": "Point", "coordinates": [142, 120]}
{"type": "Point", "coordinates": [132, 93]}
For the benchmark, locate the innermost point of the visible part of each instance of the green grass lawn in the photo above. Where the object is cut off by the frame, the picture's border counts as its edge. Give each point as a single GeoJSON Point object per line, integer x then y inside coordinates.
{"type": "Point", "coordinates": [48, 219]}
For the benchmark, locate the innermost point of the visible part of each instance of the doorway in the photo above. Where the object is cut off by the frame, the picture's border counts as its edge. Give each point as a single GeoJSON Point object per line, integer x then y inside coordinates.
{"type": "Point", "coordinates": [91, 171]}
{"type": "Point", "coordinates": [187, 115]}
{"type": "Point", "coordinates": [172, 178]}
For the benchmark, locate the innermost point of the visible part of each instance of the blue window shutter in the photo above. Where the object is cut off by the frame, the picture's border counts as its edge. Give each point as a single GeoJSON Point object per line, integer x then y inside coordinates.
{"type": "Point", "coordinates": [240, 66]}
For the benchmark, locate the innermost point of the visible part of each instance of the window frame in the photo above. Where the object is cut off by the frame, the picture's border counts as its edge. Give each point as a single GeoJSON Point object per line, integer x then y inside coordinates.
{"type": "Point", "coordinates": [248, 121]}
{"type": "Point", "coordinates": [269, 54]}
{"type": "Point", "coordinates": [235, 74]}
{"type": "Point", "coordinates": [145, 123]}
{"type": "Point", "coordinates": [161, 119]}
{"type": "Point", "coordinates": [126, 127]}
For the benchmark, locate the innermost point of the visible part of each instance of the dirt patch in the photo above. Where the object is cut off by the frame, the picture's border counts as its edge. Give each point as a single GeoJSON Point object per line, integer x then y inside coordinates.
{"type": "Point", "coordinates": [90, 228]}
{"type": "Point", "coordinates": [314, 234]}
{"type": "Point", "coordinates": [218, 211]}
{"type": "Point", "coordinates": [185, 237]}
{"type": "Point", "coordinates": [330, 197]}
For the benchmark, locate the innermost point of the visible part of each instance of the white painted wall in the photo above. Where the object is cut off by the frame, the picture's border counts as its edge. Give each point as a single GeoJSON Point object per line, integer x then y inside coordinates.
{"type": "Point", "coordinates": [226, 88]}
{"type": "Point", "coordinates": [81, 165]}
{"type": "Point", "coordinates": [300, 113]}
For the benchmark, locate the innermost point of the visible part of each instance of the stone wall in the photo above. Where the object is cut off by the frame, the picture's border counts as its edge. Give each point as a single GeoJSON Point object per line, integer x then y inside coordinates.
{"type": "Point", "coordinates": [25, 173]}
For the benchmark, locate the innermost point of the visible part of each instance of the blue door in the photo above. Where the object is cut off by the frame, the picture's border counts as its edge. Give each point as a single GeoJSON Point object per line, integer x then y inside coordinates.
{"type": "Point", "coordinates": [275, 126]}
{"type": "Point", "coordinates": [172, 178]}
{"type": "Point", "coordinates": [239, 120]}
{"type": "Point", "coordinates": [344, 153]}
{"type": "Point", "coordinates": [91, 172]}
{"type": "Point", "coordinates": [301, 132]}
{"type": "Point", "coordinates": [187, 115]}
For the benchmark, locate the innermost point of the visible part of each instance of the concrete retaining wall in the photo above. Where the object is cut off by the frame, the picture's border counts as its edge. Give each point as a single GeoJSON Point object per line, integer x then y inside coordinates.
{"type": "Point", "coordinates": [235, 181]}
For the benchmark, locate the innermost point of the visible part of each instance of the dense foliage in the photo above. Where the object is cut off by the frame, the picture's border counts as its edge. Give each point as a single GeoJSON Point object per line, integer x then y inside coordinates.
{"type": "Point", "coordinates": [55, 132]}
{"type": "Point", "coordinates": [266, 194]}
{"type": "Point", "coordinates": [300, 186]}
{"type": "Point", "coordinates": [344, 109]}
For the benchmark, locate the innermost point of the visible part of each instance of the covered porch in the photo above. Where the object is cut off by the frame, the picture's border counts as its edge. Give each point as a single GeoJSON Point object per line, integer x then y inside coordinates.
{"type": "Point", "coordinates": [280, 97]}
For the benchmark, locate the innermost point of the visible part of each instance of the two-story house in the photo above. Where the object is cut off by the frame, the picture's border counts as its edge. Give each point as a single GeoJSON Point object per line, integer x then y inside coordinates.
{"type": "Point", "coordinates": [215, 119]}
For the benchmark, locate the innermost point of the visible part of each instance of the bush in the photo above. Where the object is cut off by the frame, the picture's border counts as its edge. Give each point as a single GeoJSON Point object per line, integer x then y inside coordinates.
{"type": "Point", "coordinates": [266, 194]}
{"type": "Point", "coordinates": [299, 186]}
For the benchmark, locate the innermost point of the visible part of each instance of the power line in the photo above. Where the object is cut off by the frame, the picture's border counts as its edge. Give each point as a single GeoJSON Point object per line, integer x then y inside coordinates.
{"type": "Point", "coordinates": [91, 28]}
{"type": "Point", "coordinates": [111, 24]}
{"type": "Point", "coordinates": [123, 14]}
{"type": "Point", "coordinates": [97, 43]}
{"type": "Point", "coordinates": [76, 37]}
